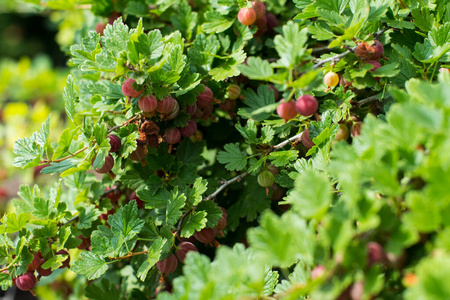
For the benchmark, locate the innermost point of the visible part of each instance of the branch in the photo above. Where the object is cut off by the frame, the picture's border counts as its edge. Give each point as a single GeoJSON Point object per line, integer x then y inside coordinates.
{"type": "Point", "coordinates": [284, 143]}
{"type": "Point", "coordinates": [121, 125]}
{"type": "Point", "coordinates": [132, 254]}
{"type": "Point", "coordinates": [225, 184]}
{"type": "Point", "coordinates": [367, 100]}
{"type": "Point", "coordinates": [241, 176]}
{"type": "Point", "coordinates": [333, 58]}
{"type": "Point", "coordinates": [64, 158]}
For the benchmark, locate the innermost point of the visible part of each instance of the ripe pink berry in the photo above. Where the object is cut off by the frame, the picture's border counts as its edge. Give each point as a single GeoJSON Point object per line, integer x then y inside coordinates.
{"type": "Point", "coordinates": [183, 249]}
{"type": "Point", "coordinates": [174, 112]}
{"type": "Point", "coordinates": [206, 235]}
{"type": "Point", "coordinates": [26, 281]}
{"type": "Point", "coordinates": [378, 50]}
{"type": "Point", "coordinates": [166, 105]}
{"type": "Point", "coordinates": [223, 220]}
{"type": "Point", "coordinates": [148, 103]}
{"type": "Point", "coordinates": [99, 27]}
{"type": "Point", "coordinates": [260, 9]}
{"type": "Point", "coordinates": [189, 130]}
{"type": "Point", "coordinates": [375, 253]}
{"type": "Point", "coordinates": [261, 24]}
{"type": "Point", "coordinates": [206, 97]}
{"type": "Point", "coordinates": [375, 63]}
{"type": "Point", "coordinates": [306, 140]}
{"type": "Point", "coordinates": [356, 129]}
{"type": "Point", "coordinates": [286, 110]}
{"type": "Point", "coordinates": [44, 272]}
{"type": "Point", "coordinates": [191, 109]}
{"type": "Point", "coordinates": [306, 105]}
{"type": "Point", "coordinates": [115, 142]}
{"type": "Point", "coordinates": [107, 166]}
{"type": "Point", "coordinates": [271, 23]}
{"type": "Point", "coordinates": [168, 265]}
{"type": "Point", "coordinates": [85, 242]}
{"type": "Point", "coordinates": [228, 105]}
{"type": "Point", "coordinates": [444, 70]}
{"type": "Point", "coordinates": [247, 16]}
{"type": "Point", "coordinates": [172, 136]}
{"type": "Point", "coordinates": [35, 263]}
{"type": "Point", "coordinates": [128, 89]}
{"type": "Point", "coordinates": [140, 153]}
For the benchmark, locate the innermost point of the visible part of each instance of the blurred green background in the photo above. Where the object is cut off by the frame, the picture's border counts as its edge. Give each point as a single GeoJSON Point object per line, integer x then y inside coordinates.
{"type": "Point", "coordinates": [33, 71]}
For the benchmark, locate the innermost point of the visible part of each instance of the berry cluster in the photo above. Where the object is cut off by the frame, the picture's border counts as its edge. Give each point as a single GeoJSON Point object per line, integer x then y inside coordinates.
{"type": "Point", "coordinates": [256, 15]}
{"type": "Point", "coordinates": [28, 280]}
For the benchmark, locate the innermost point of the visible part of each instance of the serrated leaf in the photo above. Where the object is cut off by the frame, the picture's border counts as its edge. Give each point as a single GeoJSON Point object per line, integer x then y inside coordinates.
{"type": "Point", "coordinates": [311, 195]}
{"type": "Point", "coordinates": [229, 66]}
{"type": "Point", "coordinates": [88, 215]}
{"type": "Point", "coordinates": [174, 206]}
{"type": "Point", "coordinates": [282, 247]}
{"type": "Point", "coordinates": [126, 221]}
{"type": "Point", "coordinates": [257, 69]}
{"type": "Point", "coordinates": [282, 158]}
{"type": "Point", "coordinates": [70, 97]}
{"type": "Point", "coordinates": [195, 194]}
{"type": "Point", "coordinates": [232, 157]}
{"type": "Point", "coordinates": [213, 212]}
{"type": "Point", "coordinates": [248, 132]}
{"type": "Point", "coordinates": [216, 22]}
{"type": "Point", "coordinates": [90, 264]}
{"type": "Point", "coordinates": [193, 222]}
{"type": "Point", "coordinates": [101, 290]}
{"type": "Point", "coordinates": [16, 222]}
{"type": "Point", "coordinates": [260, 105]}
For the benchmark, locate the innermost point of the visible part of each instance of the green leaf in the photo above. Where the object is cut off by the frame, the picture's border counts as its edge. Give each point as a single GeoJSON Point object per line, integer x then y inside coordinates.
{"type": "Point", "coordinates": [216, 23]}
{"type": "Point", "coordinates": [185, 20]}
{"type": "Point", "coordinates": [174, 206]}
{"type": "Point", "coordinates": [195, 221]}
{"type": "Point", "coordinates": [90, 264]}
{"type": "Point", "coordinates": [16, 222]}
{"type": "Point", "coordinates": [282, 158]}
{"type": "Point", "coordinates": [213, 212]}
{"type": "Point", "coordinates": [311, 196]}
{"type": "Point", "coordinates": [423, 18]}
{"type": "Point", "coordinates": [229, 67]}
{"type": "Point", "coordinates": [153, 257]}
{"type": "Point", "coordinates": [195, 194]}
{"type": "Point", "coordinates": [232, 157]}
{"type": "Point", "coordinates": [88, 215]}
{"type": "Point", "coordinates": [291, 45]}
{"type": "Point", "coordinates": [260, 105]}
{"type": "Point", "coordinates": [42, 208]}
{"type": "Point", "coordinates": [248, 132]}
{"type": "Point", "coordinates": [282, 240]}
{"type": "Point", "coordinates": [70, 97]}
{"type": "Point", "coordinates": [257, 69]}
{"type": "Point", "coordinates": [30, 150]}
{"type": "Point", "coordinates": [389, 70]}
{"type": "Point", "coordinates": [126, 221]}
{"type": "Point", "coordinates": [101, 290]}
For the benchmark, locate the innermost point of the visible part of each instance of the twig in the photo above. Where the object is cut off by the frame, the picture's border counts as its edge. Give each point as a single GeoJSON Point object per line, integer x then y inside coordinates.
{"type": "Point", "coordinates": [121, 125]}
{"type": "Point", "coordinates": [64, 158]}
{"type": "Point", "coordinates": [367, 100]}
{"type": "Point", "coordinates": [132, 254]}
{"type": "Point", "coordinates": [333, 58]}
{"type": "Point", "coordinates": [225, 184]}
{"type": "Point", "coordinates": [284, 143]}
{"type": "Point", "coordinates": [241, 176]}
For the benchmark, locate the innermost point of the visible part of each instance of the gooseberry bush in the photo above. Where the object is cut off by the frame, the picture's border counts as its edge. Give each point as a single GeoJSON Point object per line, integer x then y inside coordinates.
{"type": "Point", "coordinates": [294, 151]}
